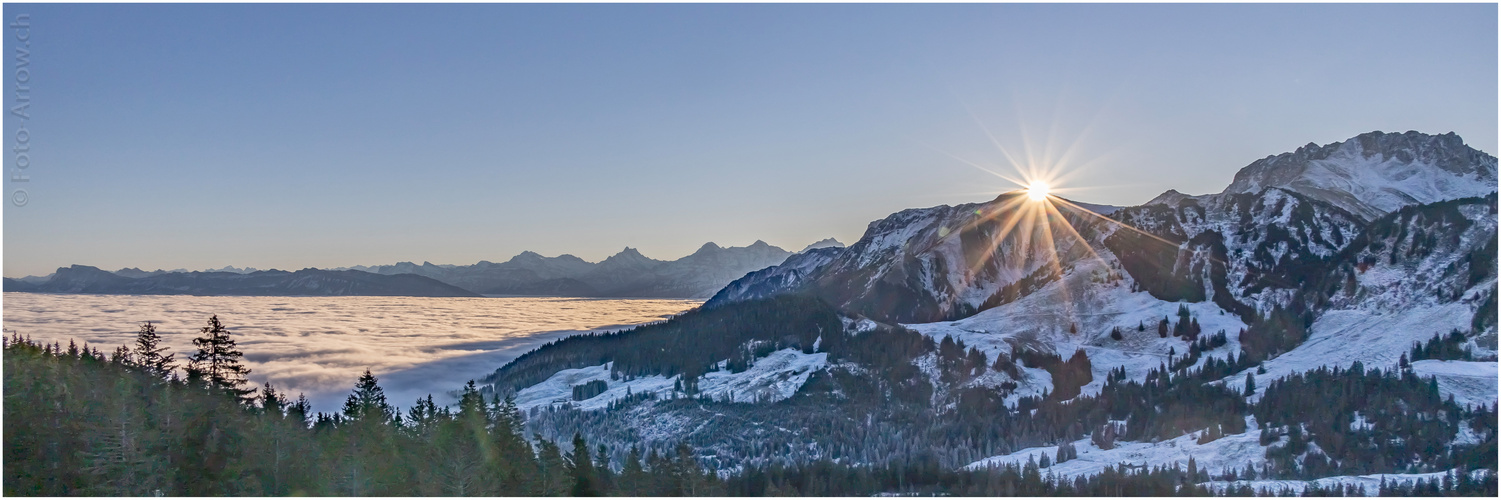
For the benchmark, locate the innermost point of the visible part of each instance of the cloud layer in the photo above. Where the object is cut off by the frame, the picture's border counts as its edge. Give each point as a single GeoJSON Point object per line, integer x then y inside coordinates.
{"type": "Point", "coordinates": [319, 345]}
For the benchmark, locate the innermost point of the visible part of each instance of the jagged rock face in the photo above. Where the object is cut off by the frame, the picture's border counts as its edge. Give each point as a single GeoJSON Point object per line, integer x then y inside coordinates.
{"type": "Point", "coordinates": [1423, 255]}
{"type": "Point", "coordinates": [1376, 173]}
{"type": "Point", "coordinates": [930, 264]}
{"type": "Point", "coordinates": [1246, 252]}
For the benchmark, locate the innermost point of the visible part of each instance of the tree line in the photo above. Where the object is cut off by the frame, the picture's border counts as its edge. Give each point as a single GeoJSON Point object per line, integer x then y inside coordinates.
{"type": "Point", "coordinates": [137, 423]}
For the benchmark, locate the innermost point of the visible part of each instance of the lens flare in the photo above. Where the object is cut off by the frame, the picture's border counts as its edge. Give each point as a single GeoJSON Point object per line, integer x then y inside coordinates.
{"type": "Point", "coordinates": [1037, 191]}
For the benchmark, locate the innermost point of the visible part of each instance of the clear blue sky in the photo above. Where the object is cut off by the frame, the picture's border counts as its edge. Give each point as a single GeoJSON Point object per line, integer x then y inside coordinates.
{"type": "Point", "coordinates": [290, 136]}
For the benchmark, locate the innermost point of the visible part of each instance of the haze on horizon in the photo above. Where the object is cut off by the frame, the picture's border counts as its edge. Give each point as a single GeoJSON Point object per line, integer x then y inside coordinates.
{"type": "Point", "coordinates": [291, 136]}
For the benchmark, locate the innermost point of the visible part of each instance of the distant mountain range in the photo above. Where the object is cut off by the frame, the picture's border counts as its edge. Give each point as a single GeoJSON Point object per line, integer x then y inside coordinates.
{"type": "Point", "coordinates": [87, 279]}
{"type": "Point", "coordinates": [625, 274]}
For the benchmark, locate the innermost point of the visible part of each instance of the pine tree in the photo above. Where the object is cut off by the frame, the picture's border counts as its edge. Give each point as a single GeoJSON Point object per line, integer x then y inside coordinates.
{"type": "Point", "coordinates": [632, 476]}
{"type": "Point", "coordinates": [368, 401]}
{"type": "Point", "coordinates": [365, 459]}
{"type": "Point", "coordinates": [582, 469]}
{"type": "Point", "coordinates": [1250, 386]}
{"type": "Point", "coordinates": [218, 362]}
{"type": "Point", "coordinates": [150, 355]}
{"type": "Point", "coordinates": [554, 470]}
{"type": "Point", "coordinates": [511, 457]}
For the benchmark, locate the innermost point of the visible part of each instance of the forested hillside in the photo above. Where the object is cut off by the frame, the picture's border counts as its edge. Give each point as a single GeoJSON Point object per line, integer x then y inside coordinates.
{"type": "Point", "coordinates": [136, 422]}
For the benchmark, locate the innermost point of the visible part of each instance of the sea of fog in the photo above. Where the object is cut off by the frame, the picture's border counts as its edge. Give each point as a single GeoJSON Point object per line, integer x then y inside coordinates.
{"type": "Point", "coordinates": [319, 345]}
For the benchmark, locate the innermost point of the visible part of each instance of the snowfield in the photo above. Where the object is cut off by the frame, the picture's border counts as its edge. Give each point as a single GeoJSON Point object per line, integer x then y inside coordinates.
{"type": "Point", "coordinates": [1231, 451]}
{"type": "Point", "coordinates": [1215, 457]}
{"type": "Point", "coordinates": [1371, 482]}
{"type": "Point", "coordinates": [1375, 338]}
{"type": "Point", "coordinates": [1470, 382]}
{"type": "Point", "coordinates": [773, 378]}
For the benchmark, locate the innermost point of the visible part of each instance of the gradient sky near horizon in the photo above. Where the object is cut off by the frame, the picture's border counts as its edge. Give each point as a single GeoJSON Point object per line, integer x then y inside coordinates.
{"type": "Point", "coordinates": [291, 136]}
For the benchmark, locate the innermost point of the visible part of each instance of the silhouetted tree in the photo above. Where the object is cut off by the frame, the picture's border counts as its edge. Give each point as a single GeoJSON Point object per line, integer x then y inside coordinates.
{"type": "Point", "coordinates": [150, 355]}
{"type": "Point", "coordinates": [218, 361]}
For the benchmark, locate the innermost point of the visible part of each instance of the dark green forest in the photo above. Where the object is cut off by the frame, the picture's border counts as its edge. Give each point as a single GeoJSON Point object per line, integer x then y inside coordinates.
{"type": "Point", "coordinates": [79, 422]}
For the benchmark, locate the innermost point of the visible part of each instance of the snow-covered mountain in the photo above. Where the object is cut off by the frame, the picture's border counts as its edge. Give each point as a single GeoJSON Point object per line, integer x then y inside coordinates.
{"type": "Point", "coordinates": [965, 334]}
{"type": "Point", "coordinates": [1376, 173]}
{"type": "Point", "coordinates": [1253, 242]}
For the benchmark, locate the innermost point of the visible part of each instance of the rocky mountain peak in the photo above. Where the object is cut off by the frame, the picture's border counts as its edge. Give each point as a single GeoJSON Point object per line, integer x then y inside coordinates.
{"type": "Point", "coordinates": [527, 256]}
{"type": "Point", "coordinates": [1375, 173]}
{"type": "Point", "coordinates": [627, 257]}
{"type": "Point", "coordinates": [823, 243]}
{"type": "Point", "coordinates": [1170, 197]}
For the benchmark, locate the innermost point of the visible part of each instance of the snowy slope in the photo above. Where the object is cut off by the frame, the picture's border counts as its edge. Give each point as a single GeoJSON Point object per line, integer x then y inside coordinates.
{"type": "Point", "coordinates": [1231, 451]}
{"type": "Point", "coordinates": [1412, 280]}
{"type": "Point", "coordinates": [1377, 339]}
{"type": "Point", "coordinates": [1470, 382]}
{"type": "Point", "coordinates": [1371, 483]}
{"type": "Point", "coordinates": [1093, 297]}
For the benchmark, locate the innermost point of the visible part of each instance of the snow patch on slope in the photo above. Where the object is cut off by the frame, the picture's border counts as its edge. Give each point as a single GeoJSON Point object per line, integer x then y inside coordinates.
{"type": "Point", "coordinates": [1375, 338]}
{"type": "Point", "coordinates": [1371, 482]}
{"type": "Point", "coordinates": [1231, 451]}
{"type": "Point", "coordinates": [1470, 382]}
{"type": "Point", "coordinates": [775, 377]}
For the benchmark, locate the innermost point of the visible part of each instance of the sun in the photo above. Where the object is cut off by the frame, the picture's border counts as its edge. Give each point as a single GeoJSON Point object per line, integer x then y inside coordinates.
{"type": "Point", "coordinates": [1037, 191]}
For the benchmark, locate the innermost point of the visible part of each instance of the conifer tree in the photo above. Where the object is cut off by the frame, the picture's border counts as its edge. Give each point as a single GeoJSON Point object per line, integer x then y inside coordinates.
{"type": "Point", "coordinates": [368, 401]}
{"type": "Point", "coordinates": [150, 355]}
{"type": "Point", "coordinates": [218, 362]}
{"type": "Point", "coordinates": [582, 469]}
{"type": "Point", "coordinates": [1250, 386]}
{"type": "Point", "coordinates": [605, 478]}
{"type": "Point", "coordinates": [365, 456]}
{"type": "Point", "coordinates": [632, 475]}
{"type": "Point", "coordinates": [554, 470]}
